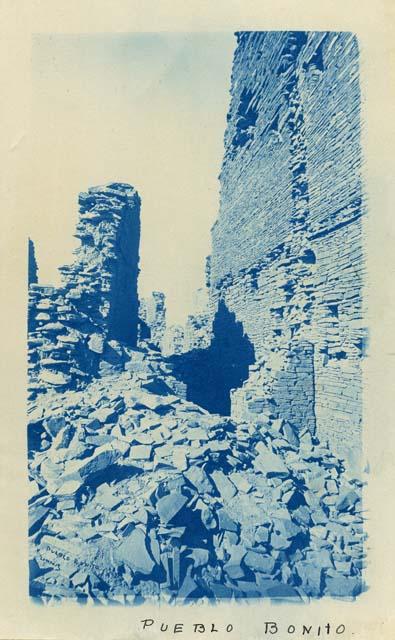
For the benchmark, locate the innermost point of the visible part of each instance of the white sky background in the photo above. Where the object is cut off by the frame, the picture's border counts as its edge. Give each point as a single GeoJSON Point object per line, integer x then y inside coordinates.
{"type": "Point", "coordinates": [147, 109]}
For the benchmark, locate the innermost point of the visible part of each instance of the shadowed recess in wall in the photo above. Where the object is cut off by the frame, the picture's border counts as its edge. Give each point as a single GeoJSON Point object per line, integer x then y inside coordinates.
{"type": "Point", "coordinates": [211, 373]}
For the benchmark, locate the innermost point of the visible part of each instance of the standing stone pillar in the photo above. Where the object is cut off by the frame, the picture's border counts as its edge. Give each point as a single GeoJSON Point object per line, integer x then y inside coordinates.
{"type": "Point", "coordinates": [81, 328]}
{"type": "Point", "coordinates": [102, 281]}
{"type": "Point", "coordinates": [32, 267]}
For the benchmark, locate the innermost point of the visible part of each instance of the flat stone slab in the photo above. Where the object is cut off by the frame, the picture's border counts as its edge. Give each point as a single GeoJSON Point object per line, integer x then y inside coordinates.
{"type": "Point", "coordinates": [224, 486]}
{"type": "Point", "coordinates": [140, 452]}
{"type": "Point", "coordinates": [169, 506]}
{"type": "Point", "coordinates": [199, 479]}
{"type": "Point", "coordinates": [270, 464]}
{"type": "Point", "coordinates": [134, 553]}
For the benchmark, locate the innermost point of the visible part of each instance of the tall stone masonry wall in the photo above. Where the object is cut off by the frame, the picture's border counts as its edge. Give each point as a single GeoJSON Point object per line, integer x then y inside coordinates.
{"type": "Point", "coordinates": [287, 246]}
{"type": "Point", "coordinates": [83, 326]}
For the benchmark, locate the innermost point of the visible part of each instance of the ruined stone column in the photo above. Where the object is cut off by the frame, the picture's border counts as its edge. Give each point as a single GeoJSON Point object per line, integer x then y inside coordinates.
{"type": "Point", "coordinates": [102, 281]}
{"type": "Point", "coordinates": [32, 267]}
{"type": "Point", "coordinates": [81, 328]}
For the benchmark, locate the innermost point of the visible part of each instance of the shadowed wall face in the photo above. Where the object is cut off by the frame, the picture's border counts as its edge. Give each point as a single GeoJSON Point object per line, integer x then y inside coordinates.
{"type": "Point", "coordinates": [123, 316]}
{"type": "Point", "coordinates": [32, 267]}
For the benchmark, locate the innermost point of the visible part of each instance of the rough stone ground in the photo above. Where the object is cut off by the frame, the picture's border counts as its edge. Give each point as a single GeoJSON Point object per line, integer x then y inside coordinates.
{"type": "Point", "coordinates": [137, 494]}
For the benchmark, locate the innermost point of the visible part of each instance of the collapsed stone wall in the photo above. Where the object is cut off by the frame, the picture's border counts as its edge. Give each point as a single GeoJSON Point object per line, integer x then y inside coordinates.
{"type": "Point", "coordinates": [287, 246]}
{"type": "Point", "coordinates": [173, 340]}
{"type": "Point", "coordinates": [198, 324]}
{"type": "Point", "coordinates": [86, 323]}
{"type": "Point", "coordinates": [152, 315]}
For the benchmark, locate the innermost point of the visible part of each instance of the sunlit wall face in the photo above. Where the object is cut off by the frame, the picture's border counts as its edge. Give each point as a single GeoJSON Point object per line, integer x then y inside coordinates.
{"type": "Point", "coordinates": [147, 109]}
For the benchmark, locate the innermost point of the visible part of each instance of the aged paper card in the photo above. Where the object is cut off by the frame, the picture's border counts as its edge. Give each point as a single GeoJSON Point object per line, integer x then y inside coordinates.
{"type": "Point", "coordinates": [197, 285]}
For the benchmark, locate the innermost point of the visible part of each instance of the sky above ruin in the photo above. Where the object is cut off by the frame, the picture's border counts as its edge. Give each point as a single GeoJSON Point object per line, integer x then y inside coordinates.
{"type": "Point", "coordinates": [147, 109]}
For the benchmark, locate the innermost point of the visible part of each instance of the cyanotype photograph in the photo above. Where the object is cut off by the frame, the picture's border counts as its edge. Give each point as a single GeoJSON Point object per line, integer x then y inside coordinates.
{"type": "Point", "coordinates": [196, 319]}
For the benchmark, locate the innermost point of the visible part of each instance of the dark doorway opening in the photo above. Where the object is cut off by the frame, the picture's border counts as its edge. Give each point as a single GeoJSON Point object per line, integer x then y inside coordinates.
{"type": "Point", "coordinates": [211, 373]}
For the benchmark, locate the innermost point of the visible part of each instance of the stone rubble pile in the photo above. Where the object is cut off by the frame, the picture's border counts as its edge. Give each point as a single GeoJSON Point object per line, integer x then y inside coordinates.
{"type": "Point", "coordinates": [140, 495]}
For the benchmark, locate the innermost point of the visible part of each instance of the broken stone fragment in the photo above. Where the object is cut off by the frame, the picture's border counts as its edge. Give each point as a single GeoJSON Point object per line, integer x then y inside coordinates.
{"type": "Point", "coordinates": [278, 590]}
{"type": "Point", "coordinates": [154, 545]}
{"type": "Point", "coordinates": [199, 556]}
{"type": "Point", "coordinates": [37, 515]}
{"type": "Point", "coordinates": [54, 425]}
{"type": "Point", "coordinates": [226, 523]}
{"type": "Point", "coordinates": [329, 500]}
{"type": "Point", "coordinates": [197, 434]}
{"type": "Point", "coordinates": [233, 566]}
{"type": "Point", "coordinates": [259, 562]}
{"type": "Point", "coordinates": [291, 434]}
{"type": "Point", "coordinates": [103, 457]}
{"type": "Point", "coordinates": [170, 506]}
{"type": "Point", "coordinates": [96, 343]}
{"type": "Point", "coordinates": [52, 327]}
{"type": "Point", "coordinates": [54, 378]}
{"type": "Point", "coordinates": [188, 586]}
{"type": "Point", "coordinates": [219, 445]}
{"type": "Point", "coordinates": [68, 338]}
{"type": "Point", "coordinates": [331, 486]}
{"type": "Point", "coordinates": [319, 531]}
{"type": "Point", "coordinates": [64, 437]}
{"type": "Point", "coordinates": [262, 535]}
{"type": "Point", "coordinates": [121, 446]}
{"type": "Point", "coordinates": [347, 500]}
{"type": "Point", "coordinates": [98, 440]}
{"type": "Point", "coordinates": [80, 578]}
{"type": "Point", "coordinates": [199, 479]}
{"type": "Point", "coordinates": [92, 423]}
{"type": "Point", "coordinates": [75, 449]}
{"type": "Point", "coordinates": [68, 488]}
{"type": "Point", "coordinates": [223, 485]}
{"type": "Point", "coordinates": [164, 450]}
{"type": "Point", "coordinates": [321, 558]}
{"type": "Point", "coordinates": [285, 527]}
{"type": "Point", "coordinates": [270, 464]}
{"type": "Point", "coordinates": [180, 460]}
{"type": "Point", "coordinates": [341, 586]}
{"type": "Point", "coordinates": [343, 566]}
{"type": "Point", "coordinates": [241, 482]}
{"type": "Point", "coordinates": [104, 415]}
{"type": "Point", "coordinates": [207, 516]}
{"type": "Point", "coordinates": [140, 452]}
{"type": "Point", "coordinates": [155, 402]}
{"type": "Point", "coordinates": [311, 577]}
{"type": "Point", "coordinates": [279, 542]}
{"type": "Point", "coordinates": [133, 552]}
{"type": "Point", "coordinates": [302, 515]}
{"type": "Point", "coordinates": [107, 499]}
{"type": "Point", "coordinates": [49, 472]}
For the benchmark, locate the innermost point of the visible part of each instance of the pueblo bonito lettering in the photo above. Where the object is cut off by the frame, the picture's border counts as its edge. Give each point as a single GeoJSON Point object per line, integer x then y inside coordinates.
{"type": "Point", "coordinates": [268, 627]}
{"type": "Point", "coordinates": [181, 627]}
{"type": "Point", "coordinates": [272, 628]}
